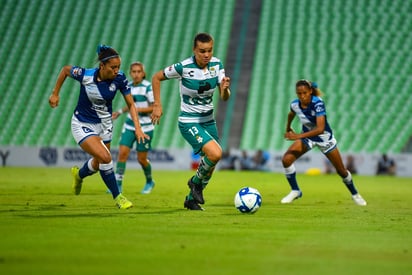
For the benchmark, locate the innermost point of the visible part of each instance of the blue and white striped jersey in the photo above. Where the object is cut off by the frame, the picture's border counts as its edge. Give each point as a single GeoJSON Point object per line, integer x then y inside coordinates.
{"type": "Point", "coordinates": [308, 117]}
{"type": "Point", "coordinates": [95, 98]}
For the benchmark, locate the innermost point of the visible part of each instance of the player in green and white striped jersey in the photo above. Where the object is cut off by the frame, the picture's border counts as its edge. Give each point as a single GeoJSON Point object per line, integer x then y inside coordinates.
{"type": "Point", "coordinates": [142, 93]}
{"type": "Point", "coordinates": [199, 76]}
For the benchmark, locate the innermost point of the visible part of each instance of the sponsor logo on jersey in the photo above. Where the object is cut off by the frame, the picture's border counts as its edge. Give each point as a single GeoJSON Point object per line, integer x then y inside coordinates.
{"type": "Point", "coordinates": [86, 130]}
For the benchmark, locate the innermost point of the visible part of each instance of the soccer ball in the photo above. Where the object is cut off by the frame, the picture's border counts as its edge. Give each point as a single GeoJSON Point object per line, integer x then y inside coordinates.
{"type": "Point", "coordinates": [248, 200]}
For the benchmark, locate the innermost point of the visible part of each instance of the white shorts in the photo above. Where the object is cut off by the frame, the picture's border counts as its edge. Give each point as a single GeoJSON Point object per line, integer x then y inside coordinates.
{"type": "Point", "coordinates": [83, 130]}
{"type": "Point", "coordinates": [324, 146]}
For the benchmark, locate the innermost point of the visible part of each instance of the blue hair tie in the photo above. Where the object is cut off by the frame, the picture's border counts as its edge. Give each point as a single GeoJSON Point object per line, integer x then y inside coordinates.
{"type": "Point", "coordinates": [314, 85]}
{"type": "Point", "coordinates": [101, 48]}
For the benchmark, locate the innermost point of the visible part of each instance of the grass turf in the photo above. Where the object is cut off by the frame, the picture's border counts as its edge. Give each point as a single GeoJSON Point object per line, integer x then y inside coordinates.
{"type": "Point", "coordinates": [47, 230]}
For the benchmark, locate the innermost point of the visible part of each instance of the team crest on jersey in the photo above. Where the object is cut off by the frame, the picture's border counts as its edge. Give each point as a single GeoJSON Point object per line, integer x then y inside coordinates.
{"type": "Point", "coordinates": [212, 71]}
{"type": "Point", "coordinates": [77, 71]}
{"type": "Point", "coordinates": [112, 87]}
{"type": "Point", "coordinates": [199, 139]}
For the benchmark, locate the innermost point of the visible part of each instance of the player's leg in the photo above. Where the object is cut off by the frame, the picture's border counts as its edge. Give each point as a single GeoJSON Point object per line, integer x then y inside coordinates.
{"type": "Point", "coordinates": [147, 170]}
{"type": "Point", "coordinates": [211, 153]}
{"type": "Point", "coordinates": [142, 157]}
{"type": "Point", "coordinates": [335, 158]}
{"type": "Point", "coordinates": [94, 146]}
{"type": "Point", "coordinates": [81, 131]}
{"type": "Point", "coordinates": [124, 152]}
{"type": "Point", "coordinates": [101, 152]}
{"type": "Point", "coordinates": [127, 140]}
{"type": "Point", "coordinates": [296, 150]}
{"type": "Point", "coordinates": [202, 141]}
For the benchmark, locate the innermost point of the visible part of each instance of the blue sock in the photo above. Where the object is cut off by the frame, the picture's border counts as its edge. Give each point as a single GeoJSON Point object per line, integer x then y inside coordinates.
{"type": "Point", "coordinates": [107, 174]}
{"type": "Point", "coordinates": [349, 184]}
{"type": "Point", "coordinates": [290, 173]}
{"type": "Point", "coordinates": [87, 169]}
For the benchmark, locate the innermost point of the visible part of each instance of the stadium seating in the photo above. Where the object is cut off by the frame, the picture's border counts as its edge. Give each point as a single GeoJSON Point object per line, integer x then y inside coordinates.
{"type": "Point", "coordinates": [39, 37]}
{"type": "Point", "coordinates": [356, 50]}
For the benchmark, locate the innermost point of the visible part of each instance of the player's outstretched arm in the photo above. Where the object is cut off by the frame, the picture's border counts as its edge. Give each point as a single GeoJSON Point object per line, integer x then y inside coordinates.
{"type": "Point", "coordinates": [54, 97]}
{"type": "Point", "coordinates": [157, 105]}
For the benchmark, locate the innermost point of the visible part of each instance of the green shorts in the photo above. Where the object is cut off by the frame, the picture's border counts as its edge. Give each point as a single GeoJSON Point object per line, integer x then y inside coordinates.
{"type": "Point", "coordinates": [128, 138]}
{"type": "Point", "coordinates": [198, 134]}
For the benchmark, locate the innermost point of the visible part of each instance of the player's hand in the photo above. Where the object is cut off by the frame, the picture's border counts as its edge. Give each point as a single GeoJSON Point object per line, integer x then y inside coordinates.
{"type": "Point", "coordinates": [140, 135]}
{"type": "Point", "coordinates": [225, 83]}
{"type": "Point", "coordinates": [54, 100]}
{"type": "Point", "coordinates": [115, 115]}
{"type": "Point", "coordinates": [156, 113]}
{"type": "Point", "coordinates": [290, 135]}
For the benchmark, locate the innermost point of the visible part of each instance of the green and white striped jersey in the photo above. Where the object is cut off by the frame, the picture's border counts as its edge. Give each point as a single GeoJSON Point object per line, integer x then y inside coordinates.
{"type": "Point", "coordinates": [143, 97]}
{"type": "Point", "coordinates": [196, 88]}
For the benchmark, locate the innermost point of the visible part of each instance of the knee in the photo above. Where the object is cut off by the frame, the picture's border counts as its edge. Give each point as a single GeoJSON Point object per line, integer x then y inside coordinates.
{"type": "Point", "coordinates": [287, 160]}
{"type": "Point", "coordinates": [215, 155]}
{"type": "Point", "coordinates": [105, 158]}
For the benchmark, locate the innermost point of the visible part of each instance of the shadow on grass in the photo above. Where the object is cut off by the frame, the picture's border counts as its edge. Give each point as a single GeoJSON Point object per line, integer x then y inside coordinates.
{"type": "Point", "coordinates": [61, 211]}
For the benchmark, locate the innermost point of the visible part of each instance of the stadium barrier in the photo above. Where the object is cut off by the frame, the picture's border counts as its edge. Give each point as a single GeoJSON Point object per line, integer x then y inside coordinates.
{"type": "Point", "coordinates": [182, 159]}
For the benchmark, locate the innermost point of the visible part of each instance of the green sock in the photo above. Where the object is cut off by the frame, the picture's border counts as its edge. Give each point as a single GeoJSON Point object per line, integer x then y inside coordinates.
{"type": "Point", "coordinates": [148, 172]}
{"type": "Point", "coordinates": [120, 169]}
{"type": "Point", "coordinates": [190, 196]}
{"type": "Point", "coordinates": [204, 171]}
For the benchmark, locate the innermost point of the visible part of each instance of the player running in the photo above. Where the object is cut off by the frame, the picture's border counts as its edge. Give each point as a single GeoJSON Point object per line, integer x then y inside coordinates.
{"type": "Point", "coordinates": [316, 131]}
{"type": "Point", "coordinates": [198, 75]}
{"type": "Point", "coordinates": [92, 119]}
{"type": "Point", "coordinates": [142, 93]}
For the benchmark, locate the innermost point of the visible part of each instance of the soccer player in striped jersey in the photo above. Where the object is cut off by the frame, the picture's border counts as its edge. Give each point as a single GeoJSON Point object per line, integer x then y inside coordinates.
{"type": "Point", "coordinates": [199, 76]}
{"type": "Point", "coordinates": [316, 132]}
{"type": "Point", "coordinates": [142, 93]}
{"type": "Point", "coordinates": [92, 119]}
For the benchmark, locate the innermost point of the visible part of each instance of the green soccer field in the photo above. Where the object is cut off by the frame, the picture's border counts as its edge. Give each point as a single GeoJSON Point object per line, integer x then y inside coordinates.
{"type": "Point", "coordinates": [47, 230]}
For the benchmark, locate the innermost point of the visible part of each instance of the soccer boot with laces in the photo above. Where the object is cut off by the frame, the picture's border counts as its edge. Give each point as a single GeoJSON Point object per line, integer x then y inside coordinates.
{"type": "Point", "coordinates": [122, 202]}
{"type": "Point", "coordinates": [197, 191]}
{"type": "Point", "coordinates": [148, 187]}
{"type": "Point", "coordinates": [192, 205]}
{"type": "Point", "coordinates": [357, 198]}
{"type": "Point", "coordinates": [293, 195]}
{"type": "Point", "coordinates": [77, 181]}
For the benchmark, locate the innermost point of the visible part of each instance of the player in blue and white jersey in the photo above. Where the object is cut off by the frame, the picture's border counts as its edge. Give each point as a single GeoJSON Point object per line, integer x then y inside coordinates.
{"type": "Point", "coordinates": [92, 119]}
{"type": "Point", "coordinates": [199, 76]}
{"type": "Point", "coordinates": [316, 131]}
{"type": "Point", "coordinates": [142, 93]}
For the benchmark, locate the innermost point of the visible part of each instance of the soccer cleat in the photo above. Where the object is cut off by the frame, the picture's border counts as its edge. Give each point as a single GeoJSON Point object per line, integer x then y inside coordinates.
{"type": "Point", "coordinates": [197, 191]}
{"type": "Point", "coordinates": [77, 181]}
{"type": "Point", "coordinates": [148, 187]}
{"type": "Point", "coordinates": [192, 205]}
{"type": "Point", "coordinates": [122, 202]}
{"type": "Point", "coordinates": [293, 195]}
{"type": "Point", "coordinates": [357, 198]}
